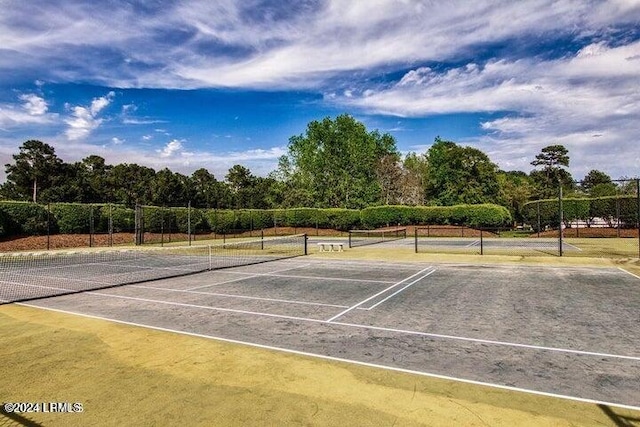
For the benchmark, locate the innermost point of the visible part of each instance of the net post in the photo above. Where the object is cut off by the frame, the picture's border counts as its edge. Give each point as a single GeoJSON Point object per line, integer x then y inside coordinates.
{"type": "Point", "coordinates": [415, 239]}
{"type": "Point", "coordinates": [481, 243]}
{"type": "Point", "coordinates": [349, 239]}
{"type": "Point", "coordinates": [306, 243]}
{"type": "Point", "coordinates": [262, 242]}
{"type": "Point", "coordinates": [210, 258]}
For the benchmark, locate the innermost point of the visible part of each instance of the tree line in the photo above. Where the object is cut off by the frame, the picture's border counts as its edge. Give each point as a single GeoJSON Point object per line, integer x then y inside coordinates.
{"type": "Point", "coordinates": [336, 163]}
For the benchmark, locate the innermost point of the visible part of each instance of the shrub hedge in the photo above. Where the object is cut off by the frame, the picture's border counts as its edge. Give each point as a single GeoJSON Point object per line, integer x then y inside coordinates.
{"type": "Point", "coordinates": [25, 218]}
{"type": "Point", "coordinates": [486, 215]}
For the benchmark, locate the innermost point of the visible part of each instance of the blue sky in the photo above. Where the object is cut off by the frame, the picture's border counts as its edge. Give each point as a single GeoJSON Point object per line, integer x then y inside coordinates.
{"type": "Point", "coordinates": [209, 84]}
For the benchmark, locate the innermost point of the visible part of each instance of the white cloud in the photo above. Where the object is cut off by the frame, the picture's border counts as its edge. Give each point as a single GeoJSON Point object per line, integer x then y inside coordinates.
{"type": "Point", "coordinates": [171, 148]}
{"type": "Point", "coordinates": [35, 105]}
{"type": "Point", "coordinates": [243, 44]}
{"type": "Point", "coordinates": [84, 120]}
{"type": "Point", "coordinates": [565, 101]}
{"type": "Point", "coordinates": [117, 141]}
{"type": "Point", "coordinates": [135, 121]}
{"type": "Point", "coordinates": [33, 111]}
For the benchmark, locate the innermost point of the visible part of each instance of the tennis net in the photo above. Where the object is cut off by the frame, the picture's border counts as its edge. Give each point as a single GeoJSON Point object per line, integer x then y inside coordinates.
{"type": "Point", "coordinates": [27, 276]}
{"type": "Point", "coordinates": [371, 237]}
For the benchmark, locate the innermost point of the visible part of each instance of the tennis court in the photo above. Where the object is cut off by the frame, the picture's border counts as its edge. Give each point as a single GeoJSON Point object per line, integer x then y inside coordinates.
{"type": "Point", "coordinates": [507, 243]}
{"type": "Point", "coordinates": [565, 331]}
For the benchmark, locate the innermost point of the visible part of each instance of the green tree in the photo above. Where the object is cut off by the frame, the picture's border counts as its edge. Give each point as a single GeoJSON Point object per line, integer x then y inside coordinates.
{"type": "Point", "coordinates": [205, 189]}
{"type": "Point", "coordinates": [132, 184]}
{"type": "Point", "coordinates": [390, 175]}
{"type": "Point", "coordinates": [460, 175]}
{"type": "Point", "coordinates": [289, 188]}
{"type": "Point", "coordinates": [628, 186]}
{"type": "Point", "coordinates": [241, 182]}
{"type": "Point", "coordinates": [552, 159]}
{"type": "Point", "coordinates": [334, 162]}
{"type": "Point", "coordinates": [92, 175]}
{"type": "Point", "coordinates": [35, 168]}
{"type": "Point", "coordinates": [516, 189]}
{"type": "Point", "coordinates": [595, 178]}
{"type": "Point", "coordinates": [416, 178]}
{"type": "Point", "coordinates": [169, 189]}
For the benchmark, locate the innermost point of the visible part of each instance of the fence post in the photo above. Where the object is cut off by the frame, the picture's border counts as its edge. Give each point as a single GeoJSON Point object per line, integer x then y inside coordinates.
{"type": "Point", "coordinates": [538, 212]}
{"type": "Point", "coordinates": [638, 213]}
{"type": "Point", "coordinates": [189, 221]}
{"type": "Point", "coordinates": [162, 226]}
{"type": "Point", "coordinates": [90, 226]}
{"type": "Point", "coordinates": [561, 220]}
{"type": "Point", "coordinates": [48, 226]}
{"type": "Point", "coordinates": [481, 243]}
{"type": "Point", "coordinates": [110, 226]}
{"type": "Point", "coordinates": [138, 225]}
{"type": "Point", "coordinates": [618, 216]}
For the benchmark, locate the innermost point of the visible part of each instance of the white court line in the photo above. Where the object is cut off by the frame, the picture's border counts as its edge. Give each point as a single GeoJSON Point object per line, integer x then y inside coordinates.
{"type": "Point", "coordinates": [376, 328]}
{"type": "Point", "coordinates": [628, 272]}
{"type": "Point", "coordinates": [383, 265]}
{"type": "Point", "coordinates": [402, 289]}
{"type": "Point", "coordinates": [291, 276]}
{"type": "Point", "coordinates": [474, 243]}
{"type": "Point", "coordinates": [342, 360]}
{"type": "Point", "coordinates": [376, 295]}
{"type": "Point", "coordinates": [243, 278]}
{"type": "Point", "coordinates": [573, 246]}
{"type": "Point", "coordinates": [205, 307]}
{"type": "Point", "coordinates": [240, 296]}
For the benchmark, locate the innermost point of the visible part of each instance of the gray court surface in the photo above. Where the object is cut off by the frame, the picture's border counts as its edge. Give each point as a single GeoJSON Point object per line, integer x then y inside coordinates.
{"type": "Point", "coordinates": [573, 332]}
{"type": "Point", "coordinates": [466, 244]}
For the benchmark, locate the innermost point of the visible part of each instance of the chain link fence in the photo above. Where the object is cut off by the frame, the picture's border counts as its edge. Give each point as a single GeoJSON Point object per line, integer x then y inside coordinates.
{"type": "Point", "coordinates": [580, 225]}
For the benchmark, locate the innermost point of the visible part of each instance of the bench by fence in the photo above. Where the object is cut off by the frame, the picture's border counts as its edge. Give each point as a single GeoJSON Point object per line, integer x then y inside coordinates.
{"type": "Point", "coordinates": [331, 247]}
